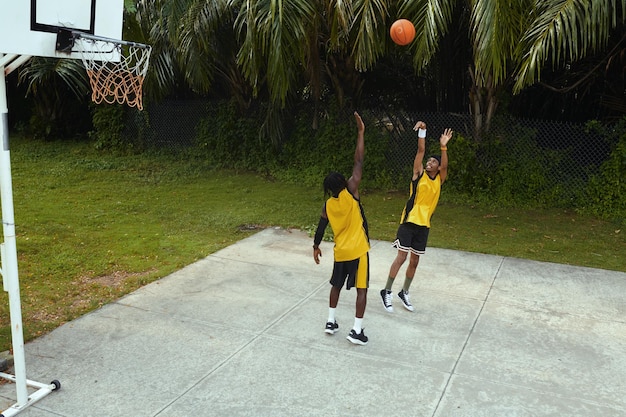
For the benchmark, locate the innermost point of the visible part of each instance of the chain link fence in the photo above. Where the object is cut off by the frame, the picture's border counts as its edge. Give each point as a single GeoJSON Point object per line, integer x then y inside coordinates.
{"type": "Point", "coordinates": [581, 147]}
{"type": "Point", "coordinates": [170, 125]}
{"type": "Point", "coordinates": [564, 154]}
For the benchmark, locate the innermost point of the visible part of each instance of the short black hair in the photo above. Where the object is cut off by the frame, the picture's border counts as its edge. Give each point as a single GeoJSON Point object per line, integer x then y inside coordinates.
{"type": "Point", "coordinates": [334, 183]}
{"type": "Point", "coordinates": [437, 157]}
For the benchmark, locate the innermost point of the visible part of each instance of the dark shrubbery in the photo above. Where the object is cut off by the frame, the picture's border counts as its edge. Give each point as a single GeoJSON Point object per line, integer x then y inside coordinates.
{"type": "Point", "coordinates": [508, 167]}
{"type": "Point", "coordinates": [230, 140]}
{"type": "Point", "coordinates": [605, 192]}
{"type": "Point", "coordinates": [108, 123]}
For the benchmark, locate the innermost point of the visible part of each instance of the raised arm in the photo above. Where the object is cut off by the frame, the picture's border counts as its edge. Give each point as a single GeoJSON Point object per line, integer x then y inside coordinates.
{"type": "Point", "coordinates": [443, 144]}
{"type": "Point", "coordinates": [418, 166]}
{"type": "Point", "coordinates": [359, 154]}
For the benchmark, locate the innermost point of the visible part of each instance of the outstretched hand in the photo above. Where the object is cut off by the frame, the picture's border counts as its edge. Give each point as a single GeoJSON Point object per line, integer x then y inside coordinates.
{"type": "Point", "coordinates": [445, 137]}
{"type": "Point", "coordinates": [359, 122]}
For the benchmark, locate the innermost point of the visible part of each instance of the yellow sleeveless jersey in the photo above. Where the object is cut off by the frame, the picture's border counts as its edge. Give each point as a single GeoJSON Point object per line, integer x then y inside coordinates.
{"type": "Point", "coordinates": [424, 196]}
{"type": "Point", "coordinates": [349, 225]}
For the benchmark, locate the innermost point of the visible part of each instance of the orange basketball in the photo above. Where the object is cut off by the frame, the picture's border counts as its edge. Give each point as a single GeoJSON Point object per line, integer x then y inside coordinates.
{"type": "Point", "coordinates": [402, 32]}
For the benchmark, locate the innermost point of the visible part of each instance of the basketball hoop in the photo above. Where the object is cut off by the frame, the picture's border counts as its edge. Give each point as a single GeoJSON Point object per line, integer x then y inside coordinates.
{"type": "Point", "coordinates": [116, 68]}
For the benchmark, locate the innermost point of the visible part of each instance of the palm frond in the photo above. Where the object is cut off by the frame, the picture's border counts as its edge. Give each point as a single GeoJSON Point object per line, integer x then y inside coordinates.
{"type": "Point", "coordinates": [274, 33]}
{"type": "Point", "coordinates": [197, 41]}
{"type": "Point", "coordinates": [565, 30]}
{"type": "Point", "coordinates": [369, 28]}
{"type": "Point", "coordinates": [431, 19]}
{"type": "Point", "coordinates": [496, 27]}
{"type": "Point", "coordinates": [340, 15]}
{"type": "Point", "coordinates": [41, 72]}
{"type": "Point", "coordinates": [73, 74]}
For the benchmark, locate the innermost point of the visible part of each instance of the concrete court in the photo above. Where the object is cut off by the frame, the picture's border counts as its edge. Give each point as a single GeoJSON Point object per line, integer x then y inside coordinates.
{"type": "Point", "coordinates": [240, 333]}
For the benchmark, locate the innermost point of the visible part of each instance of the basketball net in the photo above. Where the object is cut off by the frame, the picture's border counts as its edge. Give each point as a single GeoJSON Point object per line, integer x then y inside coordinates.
{"type": "Point", "coordinates": [111, 81]}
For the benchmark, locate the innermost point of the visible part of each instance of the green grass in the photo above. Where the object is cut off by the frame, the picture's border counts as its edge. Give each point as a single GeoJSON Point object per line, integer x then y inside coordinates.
{"type": "Point", "coordinates": [92, 227]}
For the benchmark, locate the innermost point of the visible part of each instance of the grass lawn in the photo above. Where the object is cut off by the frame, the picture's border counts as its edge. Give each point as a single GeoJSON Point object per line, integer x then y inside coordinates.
{"type": "Point", "coordinates": [92, 227]}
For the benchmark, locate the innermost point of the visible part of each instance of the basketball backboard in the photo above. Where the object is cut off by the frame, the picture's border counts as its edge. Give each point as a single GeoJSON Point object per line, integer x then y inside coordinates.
{"type": "Point", "coordinates": [29, 27]}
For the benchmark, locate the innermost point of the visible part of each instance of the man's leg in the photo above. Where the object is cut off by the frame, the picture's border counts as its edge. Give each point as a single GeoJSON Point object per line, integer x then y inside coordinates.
{"type": "Point", "coordinates": [331, 323]}
{"type": "Point", "coordinates": [361, 302]}
{"type": "Point", "coordinates": [410, 271]}
{"type": "Point", "coordinates": [361, 282]}
{"type": "Point", "coordinates": [395, 266]}
{"type": "Point", "coordinates": [385, 294]}
{"type": "Point", "coordinates": [410, 274]}
{"type": "Point", "coordinates": [356, 335]}
{"type": "Point", "coordinates": [334, 296]}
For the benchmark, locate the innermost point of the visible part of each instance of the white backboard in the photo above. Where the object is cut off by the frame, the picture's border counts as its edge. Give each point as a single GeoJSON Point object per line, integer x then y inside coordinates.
{"type": "Point", "coordinates": [29, 27]}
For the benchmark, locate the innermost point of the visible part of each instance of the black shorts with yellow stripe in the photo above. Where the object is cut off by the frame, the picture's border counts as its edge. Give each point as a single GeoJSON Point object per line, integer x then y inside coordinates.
{"type": "Point", "coordinates": [355, 273]}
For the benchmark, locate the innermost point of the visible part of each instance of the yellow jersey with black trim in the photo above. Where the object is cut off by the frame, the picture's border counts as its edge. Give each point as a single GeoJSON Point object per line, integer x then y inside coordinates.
{"type": "Point", "coordinates": [346, 218]}
{"type": "Point", "coordinates": [423, 199]}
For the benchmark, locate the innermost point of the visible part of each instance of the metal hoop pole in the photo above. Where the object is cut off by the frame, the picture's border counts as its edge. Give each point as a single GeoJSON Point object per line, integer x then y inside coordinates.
{"type": "Point", "coordinates": [8, 252]}
{"type": "Point", "coordinates": [9, 248]}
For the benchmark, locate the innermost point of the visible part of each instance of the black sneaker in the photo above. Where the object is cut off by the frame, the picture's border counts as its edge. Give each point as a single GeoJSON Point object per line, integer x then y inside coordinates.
{"type": "Point", "coordinates": [357, 339]}
{"type": "Point", "coordinates": [386, 297]}
{"type": "Point", "coordinates": [331, 328]}
{"type": "Point", "coordinates": [406, 301]}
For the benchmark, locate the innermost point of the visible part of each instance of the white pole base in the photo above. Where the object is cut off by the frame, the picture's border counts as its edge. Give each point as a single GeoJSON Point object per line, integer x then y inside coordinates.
{"type": "Point", "coordinates": [42, 391]}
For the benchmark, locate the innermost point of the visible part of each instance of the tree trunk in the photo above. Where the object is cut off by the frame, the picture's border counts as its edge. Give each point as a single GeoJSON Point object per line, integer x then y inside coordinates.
{"type": "Point", "coordinates": [483, 104]}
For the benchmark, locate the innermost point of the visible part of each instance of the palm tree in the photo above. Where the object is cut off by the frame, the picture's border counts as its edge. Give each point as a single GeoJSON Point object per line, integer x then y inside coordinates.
{"type": "Point", "coordinates": [193, 43]}
{"type": "Point", "coordinates": [286, 42]}
{"type": "Point", "coordinates": [275, 49]}
{"type": "Point", "coordinates": [54, 83]}
{"type": "Point", "coordinates": [512, 41]}
{"type": "Point", "coordinates": [57, 83]}
{"type": "Point", "coordinates": [268, 49]}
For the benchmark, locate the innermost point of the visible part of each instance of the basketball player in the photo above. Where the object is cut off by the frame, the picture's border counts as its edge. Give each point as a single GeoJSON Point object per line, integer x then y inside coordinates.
{"type": "Point", "coordinates": [344, 212]}
{"type": "Point", "coordinates": [414, 226]}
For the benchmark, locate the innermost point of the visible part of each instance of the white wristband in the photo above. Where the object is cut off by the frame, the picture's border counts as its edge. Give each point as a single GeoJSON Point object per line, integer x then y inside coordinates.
{"type": "Point", "coordinates": [421, 133]}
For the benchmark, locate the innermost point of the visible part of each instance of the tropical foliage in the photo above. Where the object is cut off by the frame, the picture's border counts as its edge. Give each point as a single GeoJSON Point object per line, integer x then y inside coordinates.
{"type": "Point", "coordinates": [59, 86]}
{"type": "Point", "coordinates": [280, 51]}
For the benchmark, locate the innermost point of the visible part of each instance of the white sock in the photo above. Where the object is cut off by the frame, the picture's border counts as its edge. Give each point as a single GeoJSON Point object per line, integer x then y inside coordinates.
{"type": "Point", "coordinates": [331, 314]}
{"type": "Point", "coordinates": [358, 325]}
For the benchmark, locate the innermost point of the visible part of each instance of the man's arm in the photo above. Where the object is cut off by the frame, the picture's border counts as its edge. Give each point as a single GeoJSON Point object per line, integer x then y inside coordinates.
{"type": "Point", "coordinates": [418, 166]}
{"type": "Point", "coordinates": [359, 154]}
{"type": "Point", "coordinates": [443, 143]}
{"type": "Point", "coordinates": [319, 235]}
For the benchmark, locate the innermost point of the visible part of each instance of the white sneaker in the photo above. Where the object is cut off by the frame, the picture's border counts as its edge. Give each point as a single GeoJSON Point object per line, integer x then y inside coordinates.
{"type": "Point", "coordinates": [386, 297]}
{"type": "Point", "coordinates": [406, 301]}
